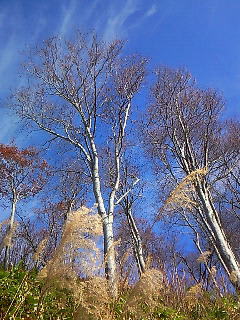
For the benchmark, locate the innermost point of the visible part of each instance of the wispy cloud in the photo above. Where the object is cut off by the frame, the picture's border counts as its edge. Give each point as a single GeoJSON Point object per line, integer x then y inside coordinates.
{"type": "Point", "coordinates": [117, 18]}
{"type": "Point", "coordinates": [7, 56]}
{"type": "Point", "coordinates": [109, 18]}
{"type": "Point", "coordinates": [10, 56]}
{"type": "Point", "coordinates": [8, 127]}
{"type": "Point", "coordinates": [151, 11]}
{"type": "Point", "coordinates": [68, 13]}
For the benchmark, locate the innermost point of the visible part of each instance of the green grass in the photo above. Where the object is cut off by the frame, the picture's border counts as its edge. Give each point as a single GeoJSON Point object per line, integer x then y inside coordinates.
{"type": "Point", "coordinates": [25, 296]}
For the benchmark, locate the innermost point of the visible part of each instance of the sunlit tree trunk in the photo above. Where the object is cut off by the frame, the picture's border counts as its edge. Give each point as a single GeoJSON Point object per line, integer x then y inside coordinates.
{"type": "Point", "coordinates": [9, 235]}
{"type": "Point", "coordinates": [137, 242]}
{"type": "Point", "coordinates": [107, 219]}
{"type": "Point", "coordinates": [218, 237]}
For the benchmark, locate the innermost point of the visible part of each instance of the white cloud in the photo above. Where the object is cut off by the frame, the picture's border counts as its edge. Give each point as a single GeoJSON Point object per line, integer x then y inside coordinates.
{"type": "Point", "coordinates": [67, 17]}
{"type": "Point", "coordinates": [8, 127]}
{"type": "Point", "coordinates": [151, 11]}
{"type": "Point", "coordinates": [117, 18]}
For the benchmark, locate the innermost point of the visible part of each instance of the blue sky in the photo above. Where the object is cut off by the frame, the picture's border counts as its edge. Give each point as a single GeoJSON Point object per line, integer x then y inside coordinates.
{"type": "Point", "coordinates": [202, 35]}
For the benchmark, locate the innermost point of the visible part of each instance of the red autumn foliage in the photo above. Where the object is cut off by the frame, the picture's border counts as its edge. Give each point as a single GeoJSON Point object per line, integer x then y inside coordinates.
{"type": "Point", "coordinates": [22, 172]}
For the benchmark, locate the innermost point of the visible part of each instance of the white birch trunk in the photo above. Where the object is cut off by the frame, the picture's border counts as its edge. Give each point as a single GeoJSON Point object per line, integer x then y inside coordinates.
{"type": "Point", "coordinates": [221, 245]}
{"type": "Point", "coordinates": [137, 243]}
{"type": "Point", "coordinates": [224, 251]}
{"type": "Point", "coordinates": [109, 254]}
{"type": "Point", "coordinates": [109, 250]}
{"type": "Point", "coordinates": [107, 215]}
{"type": "Point", "coordinates": [10, 234]}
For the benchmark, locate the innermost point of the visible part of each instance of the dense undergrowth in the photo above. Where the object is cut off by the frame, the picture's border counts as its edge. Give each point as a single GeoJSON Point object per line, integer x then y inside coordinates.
{"type": "Point", "coordinates": [26, 295]}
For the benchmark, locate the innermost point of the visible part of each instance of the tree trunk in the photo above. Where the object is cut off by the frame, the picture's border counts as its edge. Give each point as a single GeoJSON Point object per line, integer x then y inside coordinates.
{"type": "Point", "coordinates": [137, 242]}
{"type": "Point", "coordinates": [9, 235]}
{"type": "Point", "coordinates": [223, 249]}
{"type": "Point", "coordinates": [214, 227]}
{"type": "Point", "coordinates": [109, 254]}
{"type": "Point", "coordinates": [109, 250]}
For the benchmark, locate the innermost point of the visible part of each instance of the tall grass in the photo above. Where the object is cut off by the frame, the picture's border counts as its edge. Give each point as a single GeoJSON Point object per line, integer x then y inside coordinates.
{"type": "Point", "coordinates": [72, 286]}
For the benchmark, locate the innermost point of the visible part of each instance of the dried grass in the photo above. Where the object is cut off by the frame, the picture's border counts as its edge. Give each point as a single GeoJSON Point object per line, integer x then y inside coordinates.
{"type": "Point", "coordinates": [93, 300]}
{"type": "Point", "coordinates": [146, 290]}
{"type": "Point", "coordinates": [77, 252]}
{"type": "Point", "coordinates": [203, 257]}
{"type": "Point", "coordinates": [181, 196]}
{"type": "Point", "coordinates": [39, 252]}
{"type": "Point", "coordinates": [234, 276]}
{"type": "Point", "coordinates": [76, 263]}
{"type": "Point", "coordinates": [8, 237]}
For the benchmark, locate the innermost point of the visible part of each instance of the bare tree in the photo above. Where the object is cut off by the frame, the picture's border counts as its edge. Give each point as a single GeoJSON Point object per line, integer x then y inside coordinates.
{"type": "Point", "coordinates": [81, 92]}
{"type": "Point", "coordinates": [68, 190]}
{"type": "Point", "coordinates": [23, 174]}
{"type": "Point", "coordinates": [191, 144]}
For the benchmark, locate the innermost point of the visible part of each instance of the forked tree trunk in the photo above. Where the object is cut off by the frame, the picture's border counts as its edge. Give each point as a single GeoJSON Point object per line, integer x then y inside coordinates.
{"type": "Point", "coordinates": [222, 246]}
{"type": "Point", "coordinates": [213, 225]}
{"type": "Point", "coordinates": [137, 242]}
{"type": "Point", "coordinates": [107, 219]}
